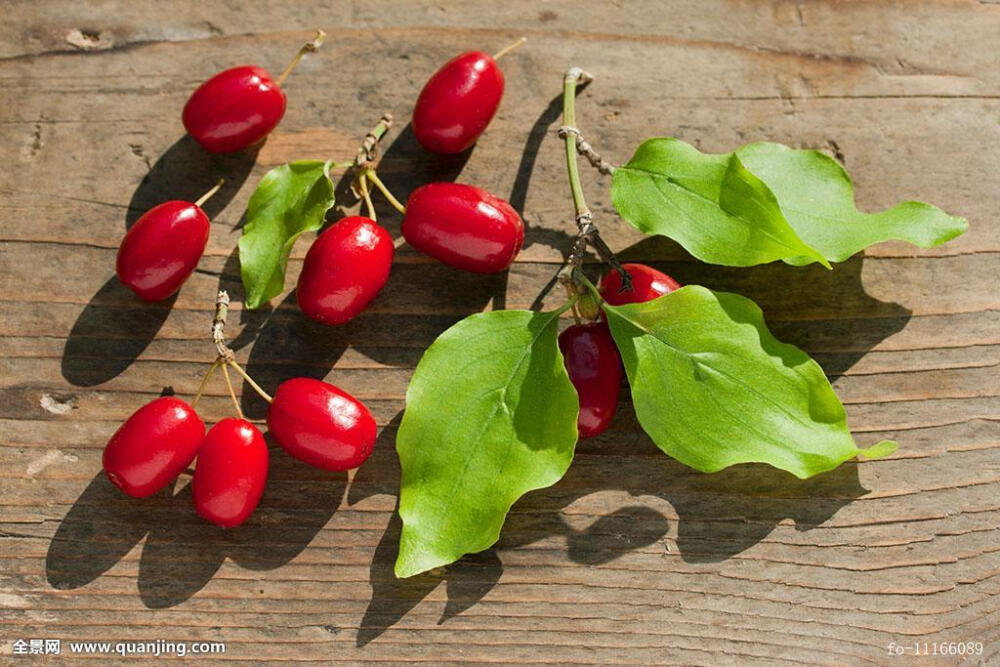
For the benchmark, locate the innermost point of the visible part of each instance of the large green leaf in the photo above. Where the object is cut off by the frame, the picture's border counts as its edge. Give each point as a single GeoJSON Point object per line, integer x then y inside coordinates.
{"type": "Point", "coordinates": [761, 203]}
{"type": "Point", "coordinates": [490, 415]}
{"type": "Point", "coordinates": [817, 198]}
{"type": "Point", "coordinates": [712, 387]}
{"type": "Point", "coordinates": [290, 199]}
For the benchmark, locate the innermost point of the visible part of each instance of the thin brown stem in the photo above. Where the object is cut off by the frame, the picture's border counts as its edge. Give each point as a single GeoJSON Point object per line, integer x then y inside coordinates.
{"type": "Point", "coordinates": [309, 47]}
{"type": "Point", "coordinates": [208, 195]}
{"type": "Point", "coordinates": [232, 392]}
{"type": "Point", "coordinates": [507, 49]}
{"type": "Point", "coordinates": [363, 187]}
{"type": "Point", "coordinates": [368, 152]}
{"type": "Point", "coordinates": [373, 177]}
{"type": "Point", "coordinates": [204, 383]}
{"type": "Point", "coordinates": [256, 387]}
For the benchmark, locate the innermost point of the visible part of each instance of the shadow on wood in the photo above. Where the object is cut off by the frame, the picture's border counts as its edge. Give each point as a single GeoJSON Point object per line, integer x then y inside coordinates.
{"type": "Point", "coordinates": [183, 552]}
{"type": "Point", "coordinates": [186, 171]}
{"type": "Point", "coordinates": [110, 334]}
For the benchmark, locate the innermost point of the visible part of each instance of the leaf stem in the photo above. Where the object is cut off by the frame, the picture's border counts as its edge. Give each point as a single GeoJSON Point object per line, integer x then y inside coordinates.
{"type": "Point", "coordinates": [587, 232]}
{"type": "Point", "coordinates": [507, 49]}
{"type": "Point", "coordinates": [309, 47]}
{"type": "Point", "coordinates": [208, 195]}
{"type": "Point", "coordinates": [370, 173]}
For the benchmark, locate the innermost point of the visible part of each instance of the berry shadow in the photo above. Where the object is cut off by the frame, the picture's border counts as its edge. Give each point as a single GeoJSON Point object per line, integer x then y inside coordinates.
{"type": "Point", "coordinates": [116, 326]}
{"type": "Point", "coordinates": [182, 552]}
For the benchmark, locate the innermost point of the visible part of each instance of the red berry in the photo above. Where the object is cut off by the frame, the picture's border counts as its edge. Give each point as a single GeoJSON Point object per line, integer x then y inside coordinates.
{"type": "Point", "coordinates": [162, 248]}
{"type": "Point", "coordinates": [344, 270]}
{"type": "Point", "coordinates": [231, 472]}
{"type": "Point", "coordinates": [321, 424]}
{"type": "Point", "coordinates": [595, 369]}
{"type": "Point", "coordinates": [458, 102]}
{"type": "Point", "coordinates": [463, 226]}
{"type": "Point", "coordinates": [153, 446]}
{"type": "Point", "coordinates": [234, 109]}
{"type": "Point", "coordinates": [647, 284]}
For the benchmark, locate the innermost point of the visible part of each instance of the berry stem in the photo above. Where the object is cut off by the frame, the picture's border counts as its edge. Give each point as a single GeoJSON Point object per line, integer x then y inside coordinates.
{"type": "Point", "coordinates": [587, 232]}
{"type": "Point", "coordinates": [256, 387]}
{"type": "Point", "coordinates": [367, 153]}
{"type": "Point", "coordinates": [204, 383]}
{"type": "Point", "coordinates": [370, 173]}
{"type": "Point", "coordinates": [208, 195]}
{"type": "Point", "coordinates": [309, 47]}
{"type": "Point", "coordinates": [507, 49]}
{"type": "Point", "coordinates": [226, 356]}
{"type": "Point", "coordinates": [232, 393]}
{"type": "Point", "coordinates": [363, 186]}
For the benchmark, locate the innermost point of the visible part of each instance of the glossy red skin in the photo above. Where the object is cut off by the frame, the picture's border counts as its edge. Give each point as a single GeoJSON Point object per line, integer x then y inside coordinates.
{"type": "Point", "coordinates": [153, 446]}
{"type": "Point", "coordinates": [463, 226]}
{"type": "Point", "coordinates": [231, 472]}
{"type": "Point", "coordinates": [234, 109]}
{"type": "Point", "coordinates": [162, 249]}
{"type": "Point", "coordinates": [458, 102]}
{"type": "Point", "coordinates": [647, 284]}
{"type": "Point", "coordinates": [595, 369]}
{"type": "Point", "coordinates": [321, 424]}
{"type": "Point", "coordinates": [344, 270]}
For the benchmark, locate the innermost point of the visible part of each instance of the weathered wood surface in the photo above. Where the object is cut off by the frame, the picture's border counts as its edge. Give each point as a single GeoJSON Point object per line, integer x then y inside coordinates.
{"type": "Point", "coordinates": [631, 558]}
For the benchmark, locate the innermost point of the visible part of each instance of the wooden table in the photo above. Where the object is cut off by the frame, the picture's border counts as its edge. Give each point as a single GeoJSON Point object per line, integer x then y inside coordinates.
{"type": "Point", "coordinates": [631, 558]}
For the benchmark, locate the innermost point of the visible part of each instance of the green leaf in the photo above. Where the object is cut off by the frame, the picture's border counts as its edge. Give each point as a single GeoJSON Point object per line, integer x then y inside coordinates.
{"type": "Point", "coordinates": [761, 203]}
{"type": "Point", "coordinates": [490, 415]}
{"type": "Point", "coordinates": [710, 204]}
{"type": "Point", "coordinates": [290, 199]}
{"type": "Point", "coordinates": [817, 198]}
{"type": "Point", "coordinates": [712, 387]}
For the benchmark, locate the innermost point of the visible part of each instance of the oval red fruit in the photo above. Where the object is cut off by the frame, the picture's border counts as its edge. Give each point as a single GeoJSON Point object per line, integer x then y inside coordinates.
{"type": "Point", "coordinates": [647, 284]}
{"type": "Point", "coordinates": [344, 270]}
{"type": "Point", "coordinates": [321, 424]}
{"type": "Point", "coordinates": [153, 446]}
{"type": "Point", "coordinates": [595, 369]}
{"type": "Point", "coordinates": [231, 472]}
{"type": "Point", "coordinates": [162, 249]}
{"type": "Point", "coordinates": [463, 226]}
{"type": "Point", "coordinates": [234, 109]}
{"type": "Point", "coordinates": [457, 103]}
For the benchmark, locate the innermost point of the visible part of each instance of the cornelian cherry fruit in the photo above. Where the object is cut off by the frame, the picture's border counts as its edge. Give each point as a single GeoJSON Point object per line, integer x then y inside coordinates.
{"type": "Point", "coordinates": [595, 369]}
{"type": "Point", "coordinates": [344, 270]}
{"type": "Point", "coordinates": [153, 446]}
{"type": "Point", "coordinates": [240, 106]}
{"type": "Point", "coordinates": [647, 284]}
{"type": "Point", "coordinates": [321, 424]}
{"type": "Point", "coordinates": [162, 248]}
{"type": "Point", "coordinates": [231, 472]}
{"type": "Point", "coordinates": [459, 101]}
{"type": "Point", "coordinates": [234, 109]}
{"type": "Point", "coordinates": [463, 226]}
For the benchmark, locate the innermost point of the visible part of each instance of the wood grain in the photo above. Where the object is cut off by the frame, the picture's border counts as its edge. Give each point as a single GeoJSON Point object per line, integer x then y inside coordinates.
{"type": "Point", "coordinates": [632, 558]}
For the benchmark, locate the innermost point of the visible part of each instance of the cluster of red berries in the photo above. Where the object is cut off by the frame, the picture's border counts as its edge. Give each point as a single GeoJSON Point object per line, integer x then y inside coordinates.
{"type": "Point", "coordinates": [316, 422]}
{"type": "Point", "coordinates": [590, 354]}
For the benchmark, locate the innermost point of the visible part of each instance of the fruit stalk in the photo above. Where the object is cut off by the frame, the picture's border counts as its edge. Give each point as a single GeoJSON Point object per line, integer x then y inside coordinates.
{"type": "Point", "coordinates": [308, 47]}
{"type": "Point", "coordinates": [226, 357]}
{"type": "Point", "coordinates": [367, 154]}
{"type": "Point", "coordinates": [587, 231]}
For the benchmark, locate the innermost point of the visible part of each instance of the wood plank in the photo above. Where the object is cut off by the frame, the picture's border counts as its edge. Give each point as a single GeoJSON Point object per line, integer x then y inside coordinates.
{"type": "Point", "coordinates": [631, 558]}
